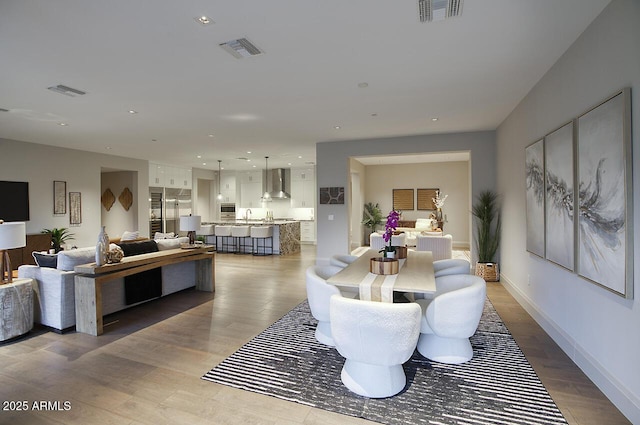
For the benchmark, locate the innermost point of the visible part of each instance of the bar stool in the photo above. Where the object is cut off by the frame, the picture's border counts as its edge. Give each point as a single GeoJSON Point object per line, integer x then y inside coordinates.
{"type": "Point", "coordinates": [262, 234]}
{"type": "Point", "coordinates": [223, 235]}
{"type": "Point", "coordinates": [240, 235]}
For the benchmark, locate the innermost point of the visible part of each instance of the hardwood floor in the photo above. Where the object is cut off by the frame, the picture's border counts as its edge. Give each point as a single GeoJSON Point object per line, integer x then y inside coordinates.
{"type": "Point", "coordinates": [146, 368]}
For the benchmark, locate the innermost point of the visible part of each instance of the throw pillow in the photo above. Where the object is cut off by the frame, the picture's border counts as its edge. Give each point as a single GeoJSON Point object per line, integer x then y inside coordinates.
{"type": "Point", "coordinates": [45, 260]}
{"type": "Point", "coordinates": [159, 235]}
{"type": "Point", "coordinates": [129, 236]}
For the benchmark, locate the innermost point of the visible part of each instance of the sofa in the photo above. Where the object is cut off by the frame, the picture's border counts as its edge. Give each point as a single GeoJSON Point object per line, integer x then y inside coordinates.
{"type": "Point", "coordinates": [54, 285]}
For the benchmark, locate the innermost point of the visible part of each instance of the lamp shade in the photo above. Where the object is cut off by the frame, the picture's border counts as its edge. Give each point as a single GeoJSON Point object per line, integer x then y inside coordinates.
{"type": "Point", "coordinates": [12, 235]}
{"type": "Point", "coordinates": [189, 223]}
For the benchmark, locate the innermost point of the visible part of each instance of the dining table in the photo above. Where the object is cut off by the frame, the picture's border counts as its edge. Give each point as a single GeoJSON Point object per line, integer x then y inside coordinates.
{"type": "Point", "coordinates": [415, 275]}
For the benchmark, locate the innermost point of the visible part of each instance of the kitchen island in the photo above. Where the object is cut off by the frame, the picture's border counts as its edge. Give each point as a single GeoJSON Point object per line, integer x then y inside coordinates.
{"type": "Point", "coordinates": [286, 233]}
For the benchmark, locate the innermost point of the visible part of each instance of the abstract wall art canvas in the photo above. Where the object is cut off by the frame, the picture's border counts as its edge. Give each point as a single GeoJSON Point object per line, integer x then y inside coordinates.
{"type": "Point", "coordinates": [604, 209]}
{"type": "Point", "coordinates": [559, 196]}
{"type": "Point", "coordinates": [534, 172]}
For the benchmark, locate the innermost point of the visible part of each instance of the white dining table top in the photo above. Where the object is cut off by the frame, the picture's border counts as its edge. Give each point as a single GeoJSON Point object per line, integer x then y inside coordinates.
{"type": "Point", "coordinates": [415, 275]}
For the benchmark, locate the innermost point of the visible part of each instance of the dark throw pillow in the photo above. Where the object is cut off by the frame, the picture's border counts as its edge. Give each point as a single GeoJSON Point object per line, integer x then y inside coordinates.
{"type": "Point", "coordinates": [45, 260]}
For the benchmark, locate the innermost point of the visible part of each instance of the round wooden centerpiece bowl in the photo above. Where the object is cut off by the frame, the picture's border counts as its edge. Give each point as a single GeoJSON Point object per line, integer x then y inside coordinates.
{"type": "Point", "coordinates": [382, 265]}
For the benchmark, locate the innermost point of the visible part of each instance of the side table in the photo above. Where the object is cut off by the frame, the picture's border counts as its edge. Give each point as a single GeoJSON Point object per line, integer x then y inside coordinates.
{"type": "Point", "coordinates": [16, 308]}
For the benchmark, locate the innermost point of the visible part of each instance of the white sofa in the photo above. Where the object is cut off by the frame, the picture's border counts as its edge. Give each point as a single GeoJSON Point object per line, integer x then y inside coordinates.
{"type": "Point", "coordinates": [54, 288]}
{"type": "Point", "coordinates": [440, 246]}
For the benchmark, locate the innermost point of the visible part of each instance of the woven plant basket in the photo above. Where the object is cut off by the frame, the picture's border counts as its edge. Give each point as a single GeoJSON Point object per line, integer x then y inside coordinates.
{"type": "Point", "coordinates": [488, 271]}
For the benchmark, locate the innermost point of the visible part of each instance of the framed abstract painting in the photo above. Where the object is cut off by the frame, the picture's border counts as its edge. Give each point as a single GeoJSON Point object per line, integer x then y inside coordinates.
{"type": "Point", "coordinates": [534, 173]}
{"type": "Point", "coordinates": [559, 196]}
{"type": "Point", "coordinates": [605, 216]}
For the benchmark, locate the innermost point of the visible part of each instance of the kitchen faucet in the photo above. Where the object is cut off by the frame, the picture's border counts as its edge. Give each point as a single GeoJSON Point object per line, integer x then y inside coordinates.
{"type": "Point", "coordinates": [247, 214]}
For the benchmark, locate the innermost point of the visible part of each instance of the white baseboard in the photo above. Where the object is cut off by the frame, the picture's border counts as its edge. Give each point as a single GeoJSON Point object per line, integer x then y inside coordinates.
{"type": "Point", "coordinates": [617, 393]}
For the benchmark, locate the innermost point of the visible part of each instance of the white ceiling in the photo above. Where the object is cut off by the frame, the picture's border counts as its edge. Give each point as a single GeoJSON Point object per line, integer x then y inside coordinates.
{"type": "Point", "coordinates": [153, 57]}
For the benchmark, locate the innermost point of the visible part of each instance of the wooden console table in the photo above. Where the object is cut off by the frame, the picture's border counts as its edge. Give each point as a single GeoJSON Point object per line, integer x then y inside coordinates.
{"type": "Point", "coordinates": [90, 277]}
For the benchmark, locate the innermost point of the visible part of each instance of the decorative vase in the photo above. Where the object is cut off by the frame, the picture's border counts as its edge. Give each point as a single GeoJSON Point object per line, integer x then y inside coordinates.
{"type": "Point", "coordinates": [382, 265]}
{"type": "Point", "coordinates": [390, 254]}
{"type": "Point", "coordinates": [103, 243]}
{"type": "Point", "coordinates": [99, 253]}
{"type": "Point", "coordinates": [401, 252]}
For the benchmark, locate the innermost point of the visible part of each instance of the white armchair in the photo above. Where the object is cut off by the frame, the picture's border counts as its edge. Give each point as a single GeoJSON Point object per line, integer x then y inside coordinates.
{"type": "Point", "coordinates": [451, 318]}
{"type": "Point", "coordinates": [375, 339]}
{"type": "Point", "coordinates": [376, 240]}
{"type": "Point", "coordinates": [319, 293]}
{"type": "Point", "coordinates": [440, 246]}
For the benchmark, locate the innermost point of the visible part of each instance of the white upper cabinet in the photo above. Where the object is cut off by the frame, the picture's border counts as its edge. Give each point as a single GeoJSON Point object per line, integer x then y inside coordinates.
{"type": "Point", "coordinates": [303, 187]}
{"type": "Point", "coordinates": [228, 186]}
{"type": "Point", "coordinates": [250, 189]}
{"type": "Point", "coordinates": [161, 175]}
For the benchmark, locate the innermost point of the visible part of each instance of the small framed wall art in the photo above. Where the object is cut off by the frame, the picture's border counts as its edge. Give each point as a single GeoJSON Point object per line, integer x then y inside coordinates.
{"type": "Point", "coordinates": [59, 197]}
{"type": "Point", "coordinates": [332, 195]}
{"type": "Point", "coordinates": [75, 208]}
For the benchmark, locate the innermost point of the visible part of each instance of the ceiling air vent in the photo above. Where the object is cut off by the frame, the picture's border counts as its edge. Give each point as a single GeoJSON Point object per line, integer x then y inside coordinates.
{"type": "Point", "coordinates": [4, 110]}
{"type": "Point", "coordinates": [437, 10]}
{"type": "Point", "coordinates": [241, 48]}
{"type": "Point", "coordinates": [67, 91]}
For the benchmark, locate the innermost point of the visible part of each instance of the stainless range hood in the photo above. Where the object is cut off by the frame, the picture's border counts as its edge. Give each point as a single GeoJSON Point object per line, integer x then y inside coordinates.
{"type": "Point", "coordinates": [278, 183]}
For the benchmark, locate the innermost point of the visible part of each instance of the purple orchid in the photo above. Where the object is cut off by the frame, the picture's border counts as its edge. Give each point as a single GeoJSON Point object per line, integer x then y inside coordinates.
{"type": "Point", "coordinates": [389, 228]}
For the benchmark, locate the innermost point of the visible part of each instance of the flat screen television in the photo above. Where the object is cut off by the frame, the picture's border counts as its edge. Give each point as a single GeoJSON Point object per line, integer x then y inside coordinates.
{"type": "Point", "coordinates": [14, 201]}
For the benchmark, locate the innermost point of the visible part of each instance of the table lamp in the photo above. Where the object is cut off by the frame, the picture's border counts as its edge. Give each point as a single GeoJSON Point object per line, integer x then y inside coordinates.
{"type": "Point", "coordinates": [190, 223]}
{"type": "Point", "coordinates": [12, 235]}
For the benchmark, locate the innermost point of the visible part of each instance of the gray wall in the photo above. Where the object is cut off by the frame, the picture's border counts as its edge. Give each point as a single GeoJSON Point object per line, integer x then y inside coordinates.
{"type": "Point", "coordinates": [597, 329]}
{"type": "Point", "coordinates": [333, 170]}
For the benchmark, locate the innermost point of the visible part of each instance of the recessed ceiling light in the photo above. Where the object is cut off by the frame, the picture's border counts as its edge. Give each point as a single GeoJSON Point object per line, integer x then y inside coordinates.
{"type": "Point", "coordinates": [363, 85]}
{"type": "Point", "coordinates": [248, 151]}
{"type": "Point", "coordinates": [299, 156]}
{"type": "Point", "coordinates": [204, 163]}
{"type": "Point", "coordinates": [254, 166]}
{"type": "Point", "coordinates": [131, 111]}
{"type": "Point", "coordinates": [108, 148]}
{"type": "Point", "coordinates": [337, 127]}
{"type": "Point", "coordinates": [62, 123]}
{"type": "Point", "coordinates": [211, 135]}
{"type": "Point", "coordinates": [288, 163]}
{"type": "Point", "coordinates": [198, 156]}
{"type": "Point", "coordinates": [204, 20]}
{"type": "Point", "coordinates": [434, 119]}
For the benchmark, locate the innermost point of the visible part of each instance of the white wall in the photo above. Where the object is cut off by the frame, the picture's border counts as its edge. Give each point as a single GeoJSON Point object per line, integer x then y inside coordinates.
{"type": "Point", "coordinates": [40, 165]}
{"type": "Point", "coordinates": [452, 178]}
{"type": "Point", "coordinates": [333, 170]}
{"type": "Point", "coordinates": [117, 219]}
{"type": "Point", "coordinates": [600, 331]}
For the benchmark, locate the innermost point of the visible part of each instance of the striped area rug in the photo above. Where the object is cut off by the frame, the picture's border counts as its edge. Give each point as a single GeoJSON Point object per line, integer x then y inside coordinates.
{"type": "Point", "coordinates": [498, 386]}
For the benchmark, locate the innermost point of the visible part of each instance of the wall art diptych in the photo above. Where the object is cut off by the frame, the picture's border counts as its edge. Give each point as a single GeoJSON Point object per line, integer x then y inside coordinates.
{"type": "Point", "coordinates": [559, 197]}
{"type": "Point", "coordinates": [534, 171]}
{"type": "Point", "coordinates": [604, 189]}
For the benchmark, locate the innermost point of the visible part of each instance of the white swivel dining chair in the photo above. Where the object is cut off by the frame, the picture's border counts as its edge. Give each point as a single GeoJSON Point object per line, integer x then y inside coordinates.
{"type": "Point", "coordinates": [319, 293]}
{"type": "Point", "coordinates": [375, 339]}
{"type": "Point", "coordinates": [451, 318]}
{"type": "Point", "coordinates": [342, 260]}
{"type": "Point", "coordinates": [451, 266]}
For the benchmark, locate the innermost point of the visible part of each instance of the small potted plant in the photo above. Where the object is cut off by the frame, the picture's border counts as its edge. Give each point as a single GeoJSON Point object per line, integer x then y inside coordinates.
{"type": "Point", "coordinates": [58, 237]}
{"type": "Point", "coordinates": [486, 210]}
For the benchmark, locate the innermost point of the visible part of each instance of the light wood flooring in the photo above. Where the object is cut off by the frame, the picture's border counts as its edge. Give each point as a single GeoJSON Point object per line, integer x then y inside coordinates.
{"type": "Point", "coordinates": [146, 368]}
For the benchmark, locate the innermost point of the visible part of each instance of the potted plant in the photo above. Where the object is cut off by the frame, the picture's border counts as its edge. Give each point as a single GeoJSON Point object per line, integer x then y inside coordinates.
{"type": "Point", "coordinates": [58, 237]}
{"type": "Point", "coordinates": [486, 211]}
{"type": "Point", "coordinates": [371, 218]}
{"type": "Point", "coordinates": [389, 227]}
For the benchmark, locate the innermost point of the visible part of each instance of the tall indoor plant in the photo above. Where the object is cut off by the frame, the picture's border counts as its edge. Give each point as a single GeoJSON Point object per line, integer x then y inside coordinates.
{"type": "Point", "coordinates": [371, 218]}
{"type": "Point", "coordinates": [486, 211]}
{"type": "Point", "coordinates": [58, 236]}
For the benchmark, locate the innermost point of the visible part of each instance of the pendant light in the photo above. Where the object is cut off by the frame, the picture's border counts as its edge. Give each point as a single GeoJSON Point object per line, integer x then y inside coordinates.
{"type": "Point", "coordinates": [219, 182]}
{"type": "Point", "coordinates": [266, 197]}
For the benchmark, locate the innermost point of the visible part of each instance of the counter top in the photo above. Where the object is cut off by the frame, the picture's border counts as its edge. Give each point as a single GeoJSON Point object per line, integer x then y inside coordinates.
{"type": "Point", "coordinates": [253, 222]}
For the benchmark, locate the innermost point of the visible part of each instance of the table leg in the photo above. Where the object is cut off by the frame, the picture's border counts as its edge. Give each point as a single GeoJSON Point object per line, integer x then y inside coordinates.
{"type": "Point", "coordinates": [205, 274]}
{"type": "Point", "coordinates": [88, 305]}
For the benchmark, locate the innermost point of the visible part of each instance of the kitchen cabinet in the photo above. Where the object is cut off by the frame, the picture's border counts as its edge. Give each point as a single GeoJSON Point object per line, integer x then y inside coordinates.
{"type": "Point", "coordinates": [308, 231]}
{"type": "Point", "coordinates": [303, 188]}
{"type": "Point", "coordinates": [228, 186]}
{"type": "Point", "coordinates": [161, 175]}
{"type": "Point", "coordinates": [250, 189]}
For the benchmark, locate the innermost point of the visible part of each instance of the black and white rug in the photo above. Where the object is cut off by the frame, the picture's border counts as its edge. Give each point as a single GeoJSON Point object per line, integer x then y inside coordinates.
{"type": "Point", "coordinates": [498, 386]}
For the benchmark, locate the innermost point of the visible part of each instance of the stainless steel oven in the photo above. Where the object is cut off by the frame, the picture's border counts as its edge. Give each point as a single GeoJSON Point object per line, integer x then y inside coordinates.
{"type": "Point", "coordinates": [227, 211]}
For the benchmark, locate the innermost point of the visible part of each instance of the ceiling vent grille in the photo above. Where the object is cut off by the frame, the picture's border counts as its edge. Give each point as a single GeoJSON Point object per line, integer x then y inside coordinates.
{"type": "Point", "coordinates": [4, 110]}
{"type": "Point", "coordinates": [241, 48]}
{"type": "Point", "coordinates": [66, 90]}
{"type": "Point", "coordinates": [437, 10]}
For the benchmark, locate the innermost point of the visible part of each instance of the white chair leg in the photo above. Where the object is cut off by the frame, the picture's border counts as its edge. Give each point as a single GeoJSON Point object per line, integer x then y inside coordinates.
{"type": "Point", "coordinates": [323, 333]}
{"type": "Point", "coordinates": [445, 350]}
{"type": "Point", "coordinates": [373, 381]}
